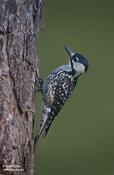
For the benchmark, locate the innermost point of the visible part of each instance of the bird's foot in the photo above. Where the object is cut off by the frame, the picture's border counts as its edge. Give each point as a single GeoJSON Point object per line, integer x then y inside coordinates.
{"type": "Point", "coordinates": [39, 84]}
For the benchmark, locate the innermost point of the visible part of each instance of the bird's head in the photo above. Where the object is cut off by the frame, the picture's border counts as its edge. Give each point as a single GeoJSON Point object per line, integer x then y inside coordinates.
{"type": "Point", "coordinates": [79, 63]}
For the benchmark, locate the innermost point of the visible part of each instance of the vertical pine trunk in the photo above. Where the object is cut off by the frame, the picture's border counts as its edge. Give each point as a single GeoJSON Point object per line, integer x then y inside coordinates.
{"type": "Point", "coordinates": [19, 21]}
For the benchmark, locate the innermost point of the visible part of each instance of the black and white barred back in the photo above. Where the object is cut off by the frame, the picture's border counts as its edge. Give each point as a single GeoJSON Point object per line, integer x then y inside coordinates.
{"type": "Point", "coordinates": [57, 89]}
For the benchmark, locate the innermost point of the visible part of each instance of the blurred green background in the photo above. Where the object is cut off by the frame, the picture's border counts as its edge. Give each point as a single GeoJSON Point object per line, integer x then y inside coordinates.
{"type": "Point", "coordinates": [81, 140]}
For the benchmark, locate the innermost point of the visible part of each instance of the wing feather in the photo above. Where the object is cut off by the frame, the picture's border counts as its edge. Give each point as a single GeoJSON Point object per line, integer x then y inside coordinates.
{"type": "Point", "coordinates": [56, 92]}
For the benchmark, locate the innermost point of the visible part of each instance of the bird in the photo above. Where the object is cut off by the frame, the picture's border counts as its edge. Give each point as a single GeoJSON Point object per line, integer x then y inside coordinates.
{"type": "Point", "coordinates": [57, 88]}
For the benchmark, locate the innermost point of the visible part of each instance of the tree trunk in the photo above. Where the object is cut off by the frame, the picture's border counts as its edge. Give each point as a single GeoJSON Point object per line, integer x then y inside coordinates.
{"type": "Point", "coordinates": [19, 21]}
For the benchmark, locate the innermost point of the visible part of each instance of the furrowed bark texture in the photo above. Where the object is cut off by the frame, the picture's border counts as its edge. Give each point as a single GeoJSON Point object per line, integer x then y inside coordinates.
{"type": "Point", "coordinates": [19, 21]}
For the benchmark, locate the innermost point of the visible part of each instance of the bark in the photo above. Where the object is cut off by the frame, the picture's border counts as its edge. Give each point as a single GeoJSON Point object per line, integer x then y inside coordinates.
{"type": "Point", "coordinates": [19, 21]}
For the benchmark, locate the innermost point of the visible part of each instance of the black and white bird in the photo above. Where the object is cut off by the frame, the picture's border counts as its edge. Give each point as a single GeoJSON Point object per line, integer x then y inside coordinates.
{"type": "Point", "coordinates": [57, 88]}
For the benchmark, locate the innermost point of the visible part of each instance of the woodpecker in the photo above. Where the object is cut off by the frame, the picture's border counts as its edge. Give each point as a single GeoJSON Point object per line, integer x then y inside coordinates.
{"type": "Point", "coordinates": [57, 88]}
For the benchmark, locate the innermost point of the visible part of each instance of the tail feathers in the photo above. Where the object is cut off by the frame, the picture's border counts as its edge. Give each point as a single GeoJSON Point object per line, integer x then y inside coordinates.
{"type": "Point", "coordinates": [41, 130]}
{"type": "Point", "coordinates": [43, 125]}
{"type": "Point", "coordinates": [47, 128]}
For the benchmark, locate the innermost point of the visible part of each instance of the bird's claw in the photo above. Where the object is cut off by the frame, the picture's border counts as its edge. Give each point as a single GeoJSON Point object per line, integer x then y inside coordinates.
{"type": "Point", "coordinates": [39, 84]}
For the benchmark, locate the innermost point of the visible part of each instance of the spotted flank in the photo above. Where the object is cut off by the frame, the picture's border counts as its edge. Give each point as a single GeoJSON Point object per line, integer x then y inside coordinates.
{"type": "Point", "coordinates": [56, 92]}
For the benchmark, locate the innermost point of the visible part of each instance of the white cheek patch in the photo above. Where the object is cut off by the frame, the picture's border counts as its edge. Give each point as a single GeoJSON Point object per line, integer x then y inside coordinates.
{"type": "Point", "coordinates": [80, 68]}
{"type": "Point", "coordinates": [77, 58]}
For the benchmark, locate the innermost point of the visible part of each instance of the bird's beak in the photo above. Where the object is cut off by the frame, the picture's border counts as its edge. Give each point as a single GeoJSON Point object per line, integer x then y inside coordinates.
{"type": "Point", "coordinates": [70, 53]}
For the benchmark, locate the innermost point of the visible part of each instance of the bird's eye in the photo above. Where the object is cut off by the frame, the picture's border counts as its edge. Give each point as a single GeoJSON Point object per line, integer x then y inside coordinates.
{"type": "Point", "coordinates": [75, 59]}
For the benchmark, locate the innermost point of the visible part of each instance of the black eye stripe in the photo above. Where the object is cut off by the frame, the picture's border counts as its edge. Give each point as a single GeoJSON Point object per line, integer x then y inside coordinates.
{"type": "Point", "coordinates": [75, 59]}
